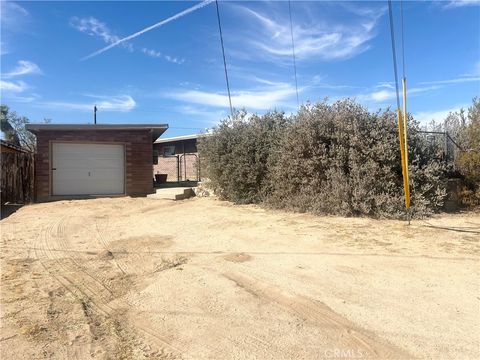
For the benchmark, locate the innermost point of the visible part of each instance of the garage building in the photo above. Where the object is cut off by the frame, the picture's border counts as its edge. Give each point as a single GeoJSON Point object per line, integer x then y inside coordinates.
{"type": "Point", "coordinates": [93, 160]}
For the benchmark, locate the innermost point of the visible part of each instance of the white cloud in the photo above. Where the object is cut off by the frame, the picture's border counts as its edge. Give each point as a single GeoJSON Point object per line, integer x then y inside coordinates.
{"type": "Point", "coordinates": [13, 19]}
{"type": "Point", "coordinates": [459, 3]}
{"type": "Point", "coordinates": [453, 81]}
{"type": "Point", "coordinates": [280, 95]}
{"type": "Point", "coordinates": [388, 93]}
{"type": "Point", "coordinates": [158, 54]}
{"type": "Point", "coordinates": [14, 90]}
{"type": "Point", "coordinates": [174, 59]}
{"type": "Point", "coordinates": [97, 28]}
{"type": "Point", "coordinates": [23, 67]}
{"type": "Point", "coordinates": [11, 12]}
{"type": "Point", "coordinates": [424, 117]}
{"type": "Point", "coordinates": [386, 84]}
{"type": "Point", "coordinates": [121, 103]}
{"type": "Point", "coordinates": [152, 53]}
{"type": "Point", "coordinates": [312, 40]}
{"type": "Point", "coordinates": [203, 115]}
{"type": "Point", "coordinates": [149, 28]}
{"type": "Point", "coordinates": [12, 87]}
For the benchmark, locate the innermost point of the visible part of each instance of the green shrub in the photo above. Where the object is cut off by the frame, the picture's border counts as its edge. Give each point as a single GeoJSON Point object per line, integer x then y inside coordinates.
{"type": "Point", "coordinates": [327, 159]}
{"type": "Point", "coordinates": [236, 157]}
{"type": "Point", "coordinates": [464, 127]}
{"type": "Point", "coordinates": [341, 159]}
{"type": "Point", "coordinates": [468, 162]}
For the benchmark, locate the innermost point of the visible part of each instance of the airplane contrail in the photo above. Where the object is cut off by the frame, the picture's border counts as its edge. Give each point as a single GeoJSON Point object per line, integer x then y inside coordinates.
{"type": "Point", "coordinates": [154, 26]}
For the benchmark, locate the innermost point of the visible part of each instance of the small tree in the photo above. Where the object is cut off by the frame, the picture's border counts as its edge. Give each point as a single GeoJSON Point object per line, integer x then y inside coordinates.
{"type": "Point", "coordinates": [13, 126]}
{"type": "Point", "coordinates": [7, 128]}
{"type": "Point", "coordinates": [468, 162]}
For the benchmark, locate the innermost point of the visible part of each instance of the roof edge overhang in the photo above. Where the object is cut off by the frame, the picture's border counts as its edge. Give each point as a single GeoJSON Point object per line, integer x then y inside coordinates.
{"type": "Point", "coordinates": [155, 129]}
{"type": "Point", "coordinates": [180, 138]}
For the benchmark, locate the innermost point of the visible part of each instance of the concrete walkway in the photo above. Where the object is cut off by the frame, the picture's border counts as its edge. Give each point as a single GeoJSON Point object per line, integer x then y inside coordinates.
{"type": "Point", "coordinates": [172, 193]}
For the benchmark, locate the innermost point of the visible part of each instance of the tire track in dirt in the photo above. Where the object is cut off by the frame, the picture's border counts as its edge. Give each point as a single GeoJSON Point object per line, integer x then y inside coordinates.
{"type": "Point", "coordinates": [55, 266]}
{"type": "Point", "coordinates": [94, 288]}
{"type": "Point", "coordinates": [149, 333]}
{"type": "Point", "coordinates": [42, 253]}
{"type": "Point", "coordinates": [254, 343]}
{"type": "Point", "coordinates": [340, 331]}
{"type": "Point", "coordinates": [101, 239]}
{"type": "Point", "coordinates": [85, 287]}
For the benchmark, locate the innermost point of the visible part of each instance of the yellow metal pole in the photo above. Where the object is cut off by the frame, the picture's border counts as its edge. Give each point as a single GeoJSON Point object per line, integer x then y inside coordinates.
{"type": "Point", "coordinates": [402, 155]}
{"type": "Point", "coordinates": [407, 182]}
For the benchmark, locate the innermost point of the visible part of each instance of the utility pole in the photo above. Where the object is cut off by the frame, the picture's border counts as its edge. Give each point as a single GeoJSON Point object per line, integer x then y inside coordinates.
{"type": "Point", "coordinates": [95, 114]}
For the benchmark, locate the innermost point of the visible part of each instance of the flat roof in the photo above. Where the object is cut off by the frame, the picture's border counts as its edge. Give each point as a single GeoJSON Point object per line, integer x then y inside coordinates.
{"type": "Point", "coordinates": [179, 138]}
{"type": "Point", "coordinates": [157, 129]}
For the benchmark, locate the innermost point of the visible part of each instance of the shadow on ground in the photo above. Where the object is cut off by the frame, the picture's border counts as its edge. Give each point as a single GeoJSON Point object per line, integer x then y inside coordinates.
{"type": "Point", "coordinates": [9, 209]}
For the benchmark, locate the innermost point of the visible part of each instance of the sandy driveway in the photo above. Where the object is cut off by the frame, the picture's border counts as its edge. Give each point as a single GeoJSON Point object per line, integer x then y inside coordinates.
{"type": "Point", "coordinates": [202, 279]}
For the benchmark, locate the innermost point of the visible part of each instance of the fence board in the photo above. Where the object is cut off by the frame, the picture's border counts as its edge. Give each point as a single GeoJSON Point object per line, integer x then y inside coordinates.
{"type": "Point", "coordinates": [17, 181]}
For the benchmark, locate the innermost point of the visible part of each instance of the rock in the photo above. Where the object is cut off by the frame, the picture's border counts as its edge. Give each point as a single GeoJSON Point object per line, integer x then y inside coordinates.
{"type": "Point", "coordinates": [105, 255]}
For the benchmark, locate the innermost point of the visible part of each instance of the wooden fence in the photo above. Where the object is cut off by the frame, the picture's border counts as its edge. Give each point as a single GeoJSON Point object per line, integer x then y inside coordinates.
{"type": "Point", "coordinates": [17, 181]}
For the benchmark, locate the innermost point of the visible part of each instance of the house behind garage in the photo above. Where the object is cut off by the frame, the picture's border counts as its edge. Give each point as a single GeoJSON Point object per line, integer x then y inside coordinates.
{"type": "Point", "coordinates": [178, 158]}
{"type": "Point", "coordinates": [93, 160]}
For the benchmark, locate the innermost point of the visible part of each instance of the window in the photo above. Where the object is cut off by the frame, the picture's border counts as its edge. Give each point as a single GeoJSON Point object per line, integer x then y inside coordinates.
{"type": "Point", "coordinates": [169, 150]}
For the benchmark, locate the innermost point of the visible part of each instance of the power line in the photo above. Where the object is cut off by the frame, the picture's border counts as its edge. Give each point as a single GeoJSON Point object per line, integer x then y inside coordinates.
{"type": "Point", "coordinates": [224, 60]}
{"type": "Point", "coordinates": [403, 41]}
{"type": "Point", "coordinates": [392, 35]}
{"type": "Point", "coordinates": [293, 52]}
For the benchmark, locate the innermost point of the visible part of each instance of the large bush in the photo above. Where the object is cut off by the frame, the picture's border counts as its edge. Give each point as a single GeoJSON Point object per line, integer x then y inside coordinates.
{"type": "Point", "coordinates": [468, 162]}
{"type": "Point", "coordinates": [327, 159]}
{"type": "Point", "coordinates": [464, 127]}
{"type": "Point", "coordinates": [236, 156]}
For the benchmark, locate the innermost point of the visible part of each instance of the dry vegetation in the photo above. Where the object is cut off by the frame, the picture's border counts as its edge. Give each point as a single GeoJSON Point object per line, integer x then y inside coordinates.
{"type": "Point", "coordinates": [339, 158]}
{"type": "Point", "coordinates": [203, 279]}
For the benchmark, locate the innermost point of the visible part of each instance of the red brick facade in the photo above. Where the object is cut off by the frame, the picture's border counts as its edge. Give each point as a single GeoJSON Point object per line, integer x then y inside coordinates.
{"type": "Point", "coordinates": [138, 157]}
{"type": "Point", "coordinates": [174, 167]}
{"type": "Point", "coordinates": [177, 166]}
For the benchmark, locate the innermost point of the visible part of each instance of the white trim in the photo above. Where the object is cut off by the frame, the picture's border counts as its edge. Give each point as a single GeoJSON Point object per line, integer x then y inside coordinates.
{"type": "Point", "coordinates": [179, 138]}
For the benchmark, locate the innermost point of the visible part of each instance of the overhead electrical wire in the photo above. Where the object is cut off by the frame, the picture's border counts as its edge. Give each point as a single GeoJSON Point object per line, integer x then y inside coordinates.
{"type": "Point", "coordinates": [402, 120]}
{"type": "Point", "coordinates": [224, 60]}
{"type": "Point", "coordinates": [293, 52]}
{"type": "Point", "coordinates": [403, 39]}
{"type": "Point", "coordinates": [392, 36]}
{"type": "Point", "coordinates": [405, 114]}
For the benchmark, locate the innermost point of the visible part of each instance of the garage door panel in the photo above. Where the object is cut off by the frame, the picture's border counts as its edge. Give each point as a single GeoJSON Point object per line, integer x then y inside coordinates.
{"type": "Point", "coordinates": [88, 169]}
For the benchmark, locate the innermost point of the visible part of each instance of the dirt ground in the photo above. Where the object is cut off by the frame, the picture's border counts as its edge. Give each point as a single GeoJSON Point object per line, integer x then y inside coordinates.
{"type": "Point", "coordinates": [203, 279]}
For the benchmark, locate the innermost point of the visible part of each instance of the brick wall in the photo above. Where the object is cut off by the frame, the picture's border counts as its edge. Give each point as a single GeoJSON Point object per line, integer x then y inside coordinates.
{"type": "Point", "coordinates": [170, 165]}
{"type": "Point", "coordinates": [138, 161]}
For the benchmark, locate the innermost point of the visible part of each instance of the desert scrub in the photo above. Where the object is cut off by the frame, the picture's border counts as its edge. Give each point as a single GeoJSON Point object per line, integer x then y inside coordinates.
{"type": "Point", "coordinates": [327, 159]}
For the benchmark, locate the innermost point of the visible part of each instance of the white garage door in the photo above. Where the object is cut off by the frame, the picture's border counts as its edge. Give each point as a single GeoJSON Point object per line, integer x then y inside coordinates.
{"type": "Point", "coordinates": [88, 169]}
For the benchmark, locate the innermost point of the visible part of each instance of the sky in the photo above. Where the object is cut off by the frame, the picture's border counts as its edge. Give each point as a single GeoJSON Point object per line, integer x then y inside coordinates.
{"type": "Point", "coordinates": [59, 59]}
